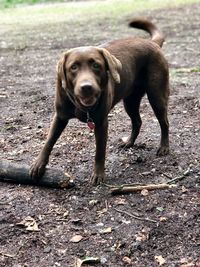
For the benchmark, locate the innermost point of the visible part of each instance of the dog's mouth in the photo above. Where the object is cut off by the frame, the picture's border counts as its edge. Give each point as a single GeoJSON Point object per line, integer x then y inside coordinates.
{"type": "Point", "coordinates": [87, 101]}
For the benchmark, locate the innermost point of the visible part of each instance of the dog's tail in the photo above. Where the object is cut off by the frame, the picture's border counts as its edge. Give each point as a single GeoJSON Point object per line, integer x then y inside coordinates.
{"type": "Point", "coordinates": [144, 24]}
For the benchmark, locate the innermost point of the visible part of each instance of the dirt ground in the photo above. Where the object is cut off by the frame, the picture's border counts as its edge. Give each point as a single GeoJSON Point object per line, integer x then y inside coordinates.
{"type": "Point", "coordinates": [89, 221]}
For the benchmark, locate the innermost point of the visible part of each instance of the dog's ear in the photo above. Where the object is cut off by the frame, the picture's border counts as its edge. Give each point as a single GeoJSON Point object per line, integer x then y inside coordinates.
{"type": "Point", "coordinates": [60, 69]}
{"type": "Point", "coordinates": [114, 65]}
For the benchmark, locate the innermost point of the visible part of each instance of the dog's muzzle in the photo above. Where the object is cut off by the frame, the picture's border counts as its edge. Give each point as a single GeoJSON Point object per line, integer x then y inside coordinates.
{"type": "Point", "coordinates": [88, 94]}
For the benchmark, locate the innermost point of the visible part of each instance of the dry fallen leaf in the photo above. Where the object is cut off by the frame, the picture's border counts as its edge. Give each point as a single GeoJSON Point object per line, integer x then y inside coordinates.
{"type": "Point", "coordinates": [66, 213]}
{"type": "Point", "coordinates": [29, 223]}
{"type": "Point", "coordinates": [184, 189]}
{"type": "Point", "coordinates": [101, 212]}
{"type": "Point", "coordinates": [76, 238]}
{"type": "Point", "coordinates": [184, 262]}
{"type": "Point", "coordinates": [124, 139]}
{"type": "Point", "coordinates": [163, 219]}
{"type": "Point", "coordinates": [93, 202]}
{"type": "Point", "coordinates": [189, 265]}
{"type": "Point", "coordinates": [160, 260]}
{"type": "Point", "coordinates": [126, 260]}
{"type": "Point", "coordinates": [86, 260]}
{"type": "Point", "coordinates": [143, 235]}
{"type": "Point", "coordinates": [106, 230]}
{"type": "Point", "coordinates": [120, 201]}
{"type": "Point", "coordinates": [160, 209]}
{"type": "Point", "coordinates": [145, 192]}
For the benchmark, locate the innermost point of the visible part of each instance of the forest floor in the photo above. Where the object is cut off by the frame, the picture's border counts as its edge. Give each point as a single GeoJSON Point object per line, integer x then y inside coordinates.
{"type": "Point", "coordinates": [85, 220]}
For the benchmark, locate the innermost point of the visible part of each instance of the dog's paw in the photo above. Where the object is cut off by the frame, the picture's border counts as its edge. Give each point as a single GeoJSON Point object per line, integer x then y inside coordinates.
{"type": "Point", "coordinates": [97, 178]}
{"type": "Point", "coordinates": [162, 151]}
{"type": "Point", "coordinates": [37, 169]}
{"type": "Point", "coordinates": [126, 142]}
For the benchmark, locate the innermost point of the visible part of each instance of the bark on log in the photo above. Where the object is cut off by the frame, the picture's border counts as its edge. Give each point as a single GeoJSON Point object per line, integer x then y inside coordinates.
{"type": "Point", "coordinates": [15, 173]}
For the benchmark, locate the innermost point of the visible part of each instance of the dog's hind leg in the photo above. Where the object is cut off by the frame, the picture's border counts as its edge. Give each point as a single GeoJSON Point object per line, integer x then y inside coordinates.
{"type": "Point", "coordinates": [132, 105]}
{"type": "Point", "coordinates": [159, 102]}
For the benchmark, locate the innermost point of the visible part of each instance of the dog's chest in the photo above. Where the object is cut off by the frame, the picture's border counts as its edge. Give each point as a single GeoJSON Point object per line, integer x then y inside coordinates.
{"type": "Point", "coordinates": [80, 115]}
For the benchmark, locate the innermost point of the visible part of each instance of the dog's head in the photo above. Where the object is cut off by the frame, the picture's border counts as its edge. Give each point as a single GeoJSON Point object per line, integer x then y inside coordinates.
{"type": "Point", "coordinates": [85, 71]}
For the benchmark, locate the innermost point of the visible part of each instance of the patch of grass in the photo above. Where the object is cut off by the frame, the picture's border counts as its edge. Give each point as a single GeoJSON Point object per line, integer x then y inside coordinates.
{"type": "Point", "coordinates": [13, 3]}
{"type": "Point", "coordinates": [36, 14]}
{"type": "Point", "coordinates": [187, 70]}
{"type": "Point", "coordinates": [142, 3]}
{"type": "Point", "coordinates": [195, 70]}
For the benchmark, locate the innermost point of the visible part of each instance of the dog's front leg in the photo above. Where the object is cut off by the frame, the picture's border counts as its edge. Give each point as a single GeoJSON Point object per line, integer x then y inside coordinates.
{"type": "Point", "coordinates": [101, 132]}
{"type": "Point", "coordinates": [38, 167]}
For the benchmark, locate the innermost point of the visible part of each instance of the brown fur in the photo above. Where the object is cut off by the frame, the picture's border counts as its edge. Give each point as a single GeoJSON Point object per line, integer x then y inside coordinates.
{"type": "Point", "coordinates": [93, 79]}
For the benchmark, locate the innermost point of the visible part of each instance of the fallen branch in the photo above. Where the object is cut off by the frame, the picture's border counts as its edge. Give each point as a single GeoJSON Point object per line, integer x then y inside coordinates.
{"type": "Point", "coordinates": [135, 216]}
{"type": "Point", "coordinates": [130, 189]}
{"type": "Point", "coordinates": [179, 178]}
{"type": "Point", "coordinates": [15, 173]}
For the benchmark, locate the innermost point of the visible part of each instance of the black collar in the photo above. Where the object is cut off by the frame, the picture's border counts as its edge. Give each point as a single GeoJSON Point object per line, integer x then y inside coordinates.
{"type": "Point", "coordinates": [78, 106]}
{"type": "Point", "coordinates": [88, 111]}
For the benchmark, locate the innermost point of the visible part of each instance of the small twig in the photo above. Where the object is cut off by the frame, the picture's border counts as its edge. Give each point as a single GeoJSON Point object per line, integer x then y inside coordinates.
{"type": "Point", "coordinates": [179, 178]}
{"type": "Point", "coordinates": [11, 255]}
{"type": "Point", "coordinates": [7, 255]}
{"type": "Point", "coordinates": [131, 189]}
{"type": "Point", "coordinates": [167, 175]}
{"type": "Point", "coordinates": [122, 185]}
{"type": "Point", "coordinates": [4, 202]}
{"type": "Point", "coordinates": [135, 216]}
{"type": "Point", "coordinates": [191, 49]}
{"type": "Point", "coordinates": [106, 204]}
{"type": "Point", "coordinates": [16, 253]}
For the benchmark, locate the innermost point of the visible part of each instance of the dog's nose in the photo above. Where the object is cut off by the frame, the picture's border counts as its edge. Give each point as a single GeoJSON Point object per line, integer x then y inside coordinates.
{"type": "Point", "coordinates": [86, 88]}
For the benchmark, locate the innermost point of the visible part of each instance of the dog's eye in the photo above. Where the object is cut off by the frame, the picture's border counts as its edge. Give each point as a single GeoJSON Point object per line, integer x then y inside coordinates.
{"type": "Point", "coordinates": [96, 66]}
{"type": "Point", "coordinates": [74, 67]}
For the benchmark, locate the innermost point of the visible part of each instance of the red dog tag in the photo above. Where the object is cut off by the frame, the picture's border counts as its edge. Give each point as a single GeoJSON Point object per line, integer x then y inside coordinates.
{"type": "Point", "coordinates": [91, 125]}
{"type": "Point", "coordinates": [90, 122]}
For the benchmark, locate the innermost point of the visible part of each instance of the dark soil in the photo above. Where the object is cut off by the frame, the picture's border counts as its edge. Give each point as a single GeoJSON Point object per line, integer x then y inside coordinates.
{"type": "Point", "coordinates": [27, 81]}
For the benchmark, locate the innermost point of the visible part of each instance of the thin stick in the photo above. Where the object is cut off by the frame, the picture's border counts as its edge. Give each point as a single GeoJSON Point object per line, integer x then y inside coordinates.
{"type": "Point", "coordinates": [8, 255]}
{"type": "Point", "coordinates": [179, 178]}
{"type": "Point", "coordinates": [135, 216]}
{"type": "Point", "coordinates": [131, 189]}
{"type": "Point", "coordinates": [12, 255]}
{"type": "Point", "coordinates": [121, 185]}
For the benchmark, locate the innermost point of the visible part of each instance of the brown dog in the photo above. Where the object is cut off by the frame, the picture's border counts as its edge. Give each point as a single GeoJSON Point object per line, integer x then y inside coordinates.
{"type": "Point", "coordinates": [91, 80]}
